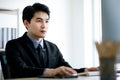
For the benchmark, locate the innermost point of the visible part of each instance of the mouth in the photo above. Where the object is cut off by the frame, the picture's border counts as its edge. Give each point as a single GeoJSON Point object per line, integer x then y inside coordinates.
{"type": "Point", "coordinates": [43, 31]}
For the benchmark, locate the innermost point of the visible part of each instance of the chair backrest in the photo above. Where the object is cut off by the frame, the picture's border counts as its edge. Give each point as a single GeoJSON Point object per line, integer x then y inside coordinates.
{"type": "Point", "coordinates": [1, 73]}
{"type": "Point", "coordinates": [5, 67]}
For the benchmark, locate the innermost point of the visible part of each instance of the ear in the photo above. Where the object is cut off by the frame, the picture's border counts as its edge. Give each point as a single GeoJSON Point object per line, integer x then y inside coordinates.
{"type": "Point", "coordinates": [26, 23]}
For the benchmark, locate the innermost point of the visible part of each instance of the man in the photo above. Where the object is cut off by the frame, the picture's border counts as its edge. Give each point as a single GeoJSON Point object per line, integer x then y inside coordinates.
{"type": "Point", "coordinates": [31, 55]}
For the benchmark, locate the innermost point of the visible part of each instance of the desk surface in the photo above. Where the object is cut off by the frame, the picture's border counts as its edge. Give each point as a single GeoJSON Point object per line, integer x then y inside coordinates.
{"type": "Point", "coordinates": [79, 78]}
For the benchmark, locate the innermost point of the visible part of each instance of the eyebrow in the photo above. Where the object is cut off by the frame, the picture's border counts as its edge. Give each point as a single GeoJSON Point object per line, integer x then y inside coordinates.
{"type": "Point", "coordinates": [41, 18]}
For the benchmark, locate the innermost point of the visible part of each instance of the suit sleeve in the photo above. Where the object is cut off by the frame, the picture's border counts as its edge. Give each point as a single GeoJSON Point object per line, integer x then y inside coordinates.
{"type": "Point", "coordinates": [17, 66]}
{"type": "Point", "coordinates": [62, 62]}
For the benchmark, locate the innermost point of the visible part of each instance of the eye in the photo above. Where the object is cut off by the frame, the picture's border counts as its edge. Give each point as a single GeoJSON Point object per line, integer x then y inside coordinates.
{"type": "Point", "coordinates": [47, 21]}
{"type": "Point", "coordinates": [39, 21]}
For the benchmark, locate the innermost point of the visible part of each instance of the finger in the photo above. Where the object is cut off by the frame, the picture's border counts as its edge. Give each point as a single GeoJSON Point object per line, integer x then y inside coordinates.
{"type": "Point", "coordinates": [69, 71]}
{"type": "Point", "coordinates": [64, 71]}
{"type": "Point", "coordinates": [59, 71]}
{"type": "Point", "coordinates": [92, 69]}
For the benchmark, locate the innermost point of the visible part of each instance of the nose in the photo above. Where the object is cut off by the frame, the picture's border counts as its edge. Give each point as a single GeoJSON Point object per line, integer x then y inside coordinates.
{"type": "Point", "coordinates": [44, 24]}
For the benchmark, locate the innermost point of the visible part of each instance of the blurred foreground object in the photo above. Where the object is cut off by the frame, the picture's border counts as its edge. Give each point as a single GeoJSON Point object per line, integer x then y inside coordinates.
{"type": "Point", "coordinates": [107, 51]}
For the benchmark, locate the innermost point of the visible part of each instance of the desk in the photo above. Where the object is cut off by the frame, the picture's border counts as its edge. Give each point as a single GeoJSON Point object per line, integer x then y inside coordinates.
{"type": "Point", "coordinates": [79, 78]}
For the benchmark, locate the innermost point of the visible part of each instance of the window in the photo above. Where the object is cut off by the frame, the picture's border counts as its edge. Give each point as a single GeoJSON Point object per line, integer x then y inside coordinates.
{"type": "Point", "coordinates": [92, 30]}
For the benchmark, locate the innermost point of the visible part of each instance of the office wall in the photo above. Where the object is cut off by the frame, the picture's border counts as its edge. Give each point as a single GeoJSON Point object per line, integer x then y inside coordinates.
{"type": "Point", "coordinates": [111, 21]}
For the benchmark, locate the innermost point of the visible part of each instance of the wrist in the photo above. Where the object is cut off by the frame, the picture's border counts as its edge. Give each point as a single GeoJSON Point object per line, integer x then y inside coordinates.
{"type": "Point", "coordinates": [49, 72]}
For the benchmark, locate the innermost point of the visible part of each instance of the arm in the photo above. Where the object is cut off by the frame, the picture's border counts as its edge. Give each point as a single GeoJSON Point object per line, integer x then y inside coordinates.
{"type": "Point", "coordinates": [62, 71]}
{"type": "Point", "coordinates": [62, 62]}
{"type": "Point", "coordinates": [18, 66]}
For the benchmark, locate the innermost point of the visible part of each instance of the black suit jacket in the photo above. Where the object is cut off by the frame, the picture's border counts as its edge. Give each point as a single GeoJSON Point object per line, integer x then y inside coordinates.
{"type": "Point", "coordinates": [23, 60]}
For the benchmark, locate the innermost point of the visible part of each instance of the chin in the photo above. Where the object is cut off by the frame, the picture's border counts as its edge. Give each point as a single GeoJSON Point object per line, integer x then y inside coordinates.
{"type": "Point", "coordinates": [42, 36]}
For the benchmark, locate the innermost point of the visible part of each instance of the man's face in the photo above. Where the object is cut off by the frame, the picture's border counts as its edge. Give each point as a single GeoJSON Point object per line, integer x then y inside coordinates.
{"type": "Point", "coordinates": [38, 25]}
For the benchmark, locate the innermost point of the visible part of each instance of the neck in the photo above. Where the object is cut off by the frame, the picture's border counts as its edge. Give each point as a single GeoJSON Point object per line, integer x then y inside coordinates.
{"type": "Point", "coordinates": [36, 38]}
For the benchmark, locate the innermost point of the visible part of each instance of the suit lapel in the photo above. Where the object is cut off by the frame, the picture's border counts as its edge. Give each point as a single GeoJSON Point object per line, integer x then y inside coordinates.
{"type": "Point", "coordinates": [31, 48]}
{"type": "Point", "coordinates": [33, 52]}
{"type": "Point", "coordinates": [49, 53]}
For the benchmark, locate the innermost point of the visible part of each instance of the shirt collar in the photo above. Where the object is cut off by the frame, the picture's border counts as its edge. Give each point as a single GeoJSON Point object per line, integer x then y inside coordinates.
{"type": "Point", "coordinates": [35, 42]}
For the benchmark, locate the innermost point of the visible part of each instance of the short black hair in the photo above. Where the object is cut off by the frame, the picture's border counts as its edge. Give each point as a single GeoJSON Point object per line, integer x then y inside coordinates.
{"type": "Point", "coordinates": [29, 11]}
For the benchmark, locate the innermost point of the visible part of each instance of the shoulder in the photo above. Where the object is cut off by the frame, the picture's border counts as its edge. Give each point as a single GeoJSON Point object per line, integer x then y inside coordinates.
{"type": "Point", "coordinates": [12, 44]}
{"type": "Point", "coordinates": [13, 41]}
{"type": "Point", "coordinates": [21, 40]}
{"type": "Point", "coordinates": [50, 44]}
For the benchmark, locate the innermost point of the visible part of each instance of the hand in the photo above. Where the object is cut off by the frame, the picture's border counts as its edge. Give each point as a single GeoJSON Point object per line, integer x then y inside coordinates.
{"type": "Point", "coordinates": [92, 69]}
{"type": "Point", "coordinates": [62, 71]}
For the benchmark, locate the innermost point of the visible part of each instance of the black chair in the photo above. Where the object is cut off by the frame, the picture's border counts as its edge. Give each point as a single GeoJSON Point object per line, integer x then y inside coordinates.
{"type": "Point", "coordinates": [5, 67]}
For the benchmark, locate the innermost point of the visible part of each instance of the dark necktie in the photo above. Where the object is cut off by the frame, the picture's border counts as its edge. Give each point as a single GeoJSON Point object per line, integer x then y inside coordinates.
{"type": "Point", "coordinates": [40, 54]}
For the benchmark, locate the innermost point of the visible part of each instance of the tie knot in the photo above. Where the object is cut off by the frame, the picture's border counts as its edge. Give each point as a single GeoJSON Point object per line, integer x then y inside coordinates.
{"type": "Point", "coordinates": [40, 46]}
